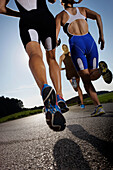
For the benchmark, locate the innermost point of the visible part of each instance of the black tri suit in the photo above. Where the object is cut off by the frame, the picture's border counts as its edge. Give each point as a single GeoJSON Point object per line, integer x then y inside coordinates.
{"type": "Point", "coordinates": [36, 23]}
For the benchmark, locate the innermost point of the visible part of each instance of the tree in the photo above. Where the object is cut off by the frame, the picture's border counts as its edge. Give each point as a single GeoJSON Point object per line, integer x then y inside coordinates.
{"type": "Point", "coordinates": [9, 106]}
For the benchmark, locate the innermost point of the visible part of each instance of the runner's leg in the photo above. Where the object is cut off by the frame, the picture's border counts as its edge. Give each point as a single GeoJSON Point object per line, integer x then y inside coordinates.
{"type": "Point", "coordinates": [79, 91]}
{"type": "Point", "coordinates": [36, 63]}
{"type": "Point", "coordinates": [85, 75]}
{"type": "Point", "coordinates": [54, 71]}
{"type": "Point", "coordinates": [55, 75]}
{"type": "Point", "coordinates": [94, 74]}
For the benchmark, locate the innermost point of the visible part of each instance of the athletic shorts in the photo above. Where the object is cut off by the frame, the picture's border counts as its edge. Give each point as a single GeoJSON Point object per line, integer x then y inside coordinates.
{"type": "Point", "coordinates": [84, 52]}
{"type": "Point", "coordinates": [38, 26]}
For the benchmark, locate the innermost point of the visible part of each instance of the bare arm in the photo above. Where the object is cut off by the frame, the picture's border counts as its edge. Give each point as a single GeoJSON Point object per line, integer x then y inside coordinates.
{"type": "Point", "coordinates": [60, 62]}
{"type": "Point", "coordinates": [7, 11]}
{"type": "Point", "coordinates": [58, 26]}
{"type": "Point", "coordinates": [95, 16]}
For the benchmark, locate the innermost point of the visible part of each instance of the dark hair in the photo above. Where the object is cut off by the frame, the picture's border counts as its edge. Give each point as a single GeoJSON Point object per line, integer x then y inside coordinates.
{"type": "Point", "coordinates": [71, 1]}
{"type": "Point", "coordinates": [68, 1]}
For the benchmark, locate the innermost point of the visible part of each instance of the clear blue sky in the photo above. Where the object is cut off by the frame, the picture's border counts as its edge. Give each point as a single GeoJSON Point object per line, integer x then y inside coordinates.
{"type": "Point", "coordinates": [16, 80]}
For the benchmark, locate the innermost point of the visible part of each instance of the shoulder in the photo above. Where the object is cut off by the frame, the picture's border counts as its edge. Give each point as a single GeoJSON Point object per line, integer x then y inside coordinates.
{"type": "Point", "coordinates": [60, 14]}
{"type": "Point", "coordinates": [61, 17]}
{"type": "Point", "coordinates": [83, 10]}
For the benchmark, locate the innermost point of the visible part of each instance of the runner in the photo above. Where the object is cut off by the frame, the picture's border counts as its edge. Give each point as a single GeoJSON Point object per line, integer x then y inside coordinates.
{"type": "Point", "coordinates": [71, 72]}
{"type": "Point", "coordinates": [83, 47]}
{"type": "Point", "coordinates": [38, 24]}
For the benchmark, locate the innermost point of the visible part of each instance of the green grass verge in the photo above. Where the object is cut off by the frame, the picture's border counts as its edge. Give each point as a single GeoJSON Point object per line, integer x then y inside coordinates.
{"type": "Point", "coordinates": [20, 115]}
{"type": "Point", "coordinates": [103, 98]}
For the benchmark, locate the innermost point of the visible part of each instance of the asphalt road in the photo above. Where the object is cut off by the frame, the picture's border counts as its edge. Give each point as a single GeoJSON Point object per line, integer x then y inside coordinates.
{"type": "Point", "coordinates": [85, 144]}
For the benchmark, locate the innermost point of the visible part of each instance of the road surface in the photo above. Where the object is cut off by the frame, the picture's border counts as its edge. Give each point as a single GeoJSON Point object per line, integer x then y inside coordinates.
{"type": "Point", "coordinates": [85, 144]}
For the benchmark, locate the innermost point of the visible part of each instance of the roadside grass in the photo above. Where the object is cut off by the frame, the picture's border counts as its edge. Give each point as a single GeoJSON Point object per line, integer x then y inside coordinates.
{"type": "Point", "coordinates": [103, 98]}
{"type": "Point", "coordinates": [20, 115]}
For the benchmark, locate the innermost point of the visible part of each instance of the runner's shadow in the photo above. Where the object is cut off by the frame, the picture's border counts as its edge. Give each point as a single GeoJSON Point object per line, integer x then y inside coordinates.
{"type": "Point", "coordinates": [104, 147]}
{"type": "Point", "coordinates": [107, 115]}
{"type": "Point", "coordinates": [68, 156]}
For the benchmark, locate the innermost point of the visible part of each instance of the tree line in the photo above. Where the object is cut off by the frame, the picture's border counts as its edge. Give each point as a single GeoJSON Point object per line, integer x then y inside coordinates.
{"type": "Point", "coordinates": [9, 106]}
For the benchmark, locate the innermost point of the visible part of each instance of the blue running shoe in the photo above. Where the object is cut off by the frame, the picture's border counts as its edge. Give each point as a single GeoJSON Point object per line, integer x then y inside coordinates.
{"type": "Point", "coordinates": [54, 117]}
{"type": "Point", "coordinates": [82, 106]}
{"type": "Point", "coordinates": [62, 104]}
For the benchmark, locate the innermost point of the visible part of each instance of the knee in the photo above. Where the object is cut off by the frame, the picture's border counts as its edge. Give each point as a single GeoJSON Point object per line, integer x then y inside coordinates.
{"type": "Point", "coordinates": [34, 55]}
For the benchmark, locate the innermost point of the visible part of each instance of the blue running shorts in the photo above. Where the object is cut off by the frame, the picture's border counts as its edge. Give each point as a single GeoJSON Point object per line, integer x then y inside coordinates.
{"type": "Point", "coordinates": [84, 52]}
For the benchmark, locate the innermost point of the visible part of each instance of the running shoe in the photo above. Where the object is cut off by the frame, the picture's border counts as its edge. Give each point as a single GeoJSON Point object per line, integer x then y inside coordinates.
{"type": "Point", "coordinates": [74, 82]}
{"type": "Point", "coordinates": [62, 104]}
{"type": "Point", "coordinates": [106, 73]}
{"type": "Point", "coordinates": [82, 106]}
{"type": "Point", "coordinates": [54, 117]}
{"type": "Point", "coordinates": [98, 111]}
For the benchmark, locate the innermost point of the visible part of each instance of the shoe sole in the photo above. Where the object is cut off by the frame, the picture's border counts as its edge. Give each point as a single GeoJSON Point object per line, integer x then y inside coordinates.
{"type": "Point", "coordinates": [106, 73]}
{"type": "Point", "coordinates": [56, 121]}
{"type": "Point", "coordinates": [103, 66]}
{"type": "Point", "coordinates": [63, 108]}
{"type": "Point", "coordinates": [51, 97]}
{"type": "Point", "coordinates": [107, 76]}
{"type": "Point", "coordinates": [96, 115]}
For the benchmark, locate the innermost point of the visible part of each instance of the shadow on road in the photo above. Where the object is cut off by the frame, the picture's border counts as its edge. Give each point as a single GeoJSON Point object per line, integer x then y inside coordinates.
{"type": "Point", "coordinates": [107, 115]}
{"type": "Point", "coordinates": [104, 147]}
{"type": "Point", "coordinates": [68, 156]}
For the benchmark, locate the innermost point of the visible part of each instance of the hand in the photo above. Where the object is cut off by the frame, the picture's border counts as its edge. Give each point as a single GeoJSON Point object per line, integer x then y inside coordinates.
{"type": "Point", "coordinates": [101, 42]}
{"type": "Point", "coordinates": [58, 42]}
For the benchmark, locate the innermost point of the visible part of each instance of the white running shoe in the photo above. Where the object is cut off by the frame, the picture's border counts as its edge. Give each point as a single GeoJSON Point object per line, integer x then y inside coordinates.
{"type": "Point", "coordinates": [98, 111]}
